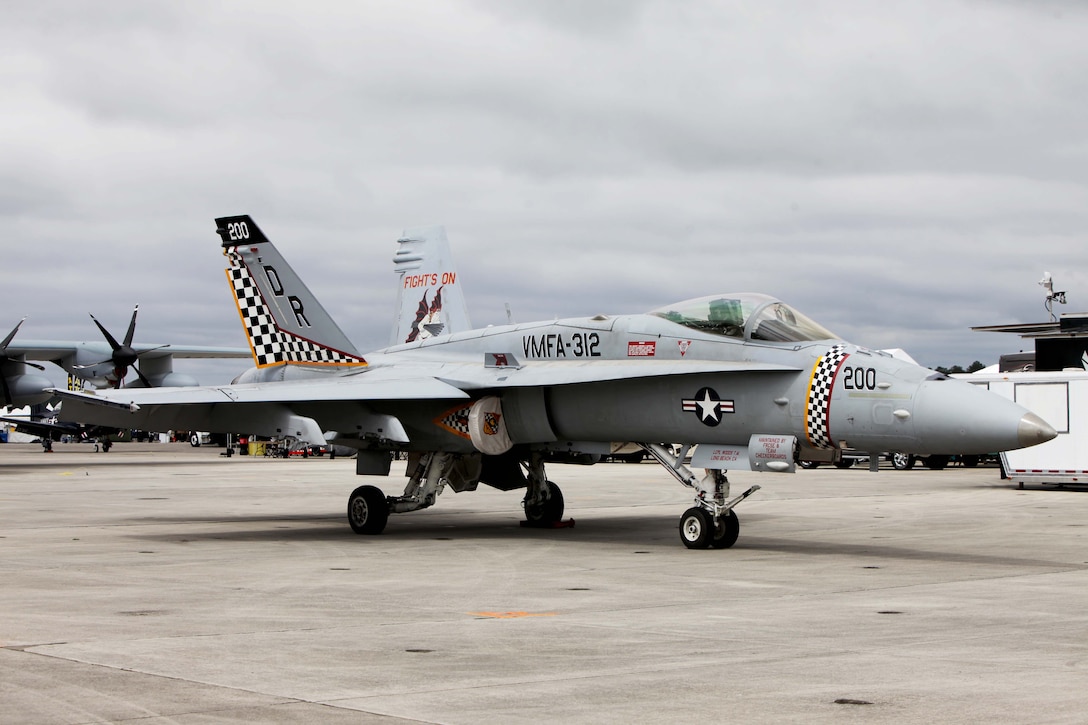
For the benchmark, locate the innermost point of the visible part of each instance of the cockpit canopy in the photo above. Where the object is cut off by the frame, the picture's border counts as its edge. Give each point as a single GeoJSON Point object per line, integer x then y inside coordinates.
{"type": "Point", "coordinates": [745, 315]}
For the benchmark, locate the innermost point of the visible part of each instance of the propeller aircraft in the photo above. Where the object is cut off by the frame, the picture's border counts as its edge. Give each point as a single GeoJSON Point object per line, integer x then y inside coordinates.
{"type": "Point", "coordinates": [98, 364]}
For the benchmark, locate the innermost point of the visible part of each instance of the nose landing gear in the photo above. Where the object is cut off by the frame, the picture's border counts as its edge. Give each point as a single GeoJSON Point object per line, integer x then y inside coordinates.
{"type": "Point", "coordinates": [711, 522]}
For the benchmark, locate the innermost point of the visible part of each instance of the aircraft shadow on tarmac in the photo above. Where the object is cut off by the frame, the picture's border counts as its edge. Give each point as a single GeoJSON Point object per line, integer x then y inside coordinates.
{"type": "Point", "coordinates": [640, 532]}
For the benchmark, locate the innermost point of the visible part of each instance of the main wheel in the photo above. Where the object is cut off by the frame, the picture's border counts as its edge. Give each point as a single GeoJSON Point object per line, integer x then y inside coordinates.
{"type": "Point", "coordinates": [548, 511]}
{"type": "Point", "coordinates": [368, 511]}
{"type": "Point", "coordinates": [696, 528]}
{"type": "Point", "coordinates": [971, 461]}
{"type": "Point", "coordinates": [726, 531]}
{"type": "Point", "coordinates": [808, 465]}
{"type": "Point", "coordinates": [902, 461]}
{"type": "Point", "coordinates": [844, 463]}
{"type": "Point", "coordinates": [937, 463]}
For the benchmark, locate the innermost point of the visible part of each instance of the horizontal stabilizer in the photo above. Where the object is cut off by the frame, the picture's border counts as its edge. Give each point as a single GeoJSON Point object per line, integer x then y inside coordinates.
{"type": "Point", "coordinates": [56, 350]}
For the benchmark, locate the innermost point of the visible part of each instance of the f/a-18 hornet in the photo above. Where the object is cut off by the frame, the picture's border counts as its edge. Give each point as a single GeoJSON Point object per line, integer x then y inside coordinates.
{"type": "Point", "coordinates": [745, 381]}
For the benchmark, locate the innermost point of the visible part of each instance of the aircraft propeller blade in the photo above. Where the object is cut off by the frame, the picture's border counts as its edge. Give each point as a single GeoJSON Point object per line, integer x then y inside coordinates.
{"type": "Point", "coordinates": [123, 356]}
{"type": "Point", "coordinates": [106, 334]}
{"type": "Point", "coordinates": [143, 378]}
{"type": "Point", "coordinates": [11, 336]}
{"type": "Point", "coordinates": [131, 327]}
{"type": "Point", "coordinates": [5, 389]}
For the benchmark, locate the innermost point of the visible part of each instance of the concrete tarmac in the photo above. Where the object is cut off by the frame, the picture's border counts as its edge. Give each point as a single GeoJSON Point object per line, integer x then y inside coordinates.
{"type": "Point", "coordinates": [160, 583]}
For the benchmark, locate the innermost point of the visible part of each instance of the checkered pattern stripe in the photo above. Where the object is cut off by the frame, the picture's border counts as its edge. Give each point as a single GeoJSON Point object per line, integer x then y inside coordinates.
{"type": "Point", "coordinates": [455, 421]}
{"type": "Point", "coordinates": [818, 410]}
{"type": "Point", "coordinates": [271, 345]}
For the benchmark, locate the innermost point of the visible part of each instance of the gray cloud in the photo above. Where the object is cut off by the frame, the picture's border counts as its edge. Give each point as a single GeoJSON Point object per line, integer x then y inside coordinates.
{"type": "Point", "coordinates": [899, 172]}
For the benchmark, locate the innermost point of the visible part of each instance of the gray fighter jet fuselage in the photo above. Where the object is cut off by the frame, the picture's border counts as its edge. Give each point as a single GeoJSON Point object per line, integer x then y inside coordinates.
{"type": "Point", "coordinates": [676, 375]}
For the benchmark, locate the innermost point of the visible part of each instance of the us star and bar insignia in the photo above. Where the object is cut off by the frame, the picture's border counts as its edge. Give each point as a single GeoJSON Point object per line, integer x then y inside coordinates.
{"type": "Point", "coordinates": [708, 406]}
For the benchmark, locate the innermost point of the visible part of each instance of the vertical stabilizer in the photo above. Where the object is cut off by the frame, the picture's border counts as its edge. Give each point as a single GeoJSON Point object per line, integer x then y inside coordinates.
{"type": "Point", "coordinates": [429, 298]}
{"type": "Point", "coordinates": [283, 320]}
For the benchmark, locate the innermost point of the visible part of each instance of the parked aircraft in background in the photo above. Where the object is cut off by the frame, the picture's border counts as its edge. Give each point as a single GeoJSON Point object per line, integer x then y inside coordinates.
{"type": "Point", "coordinates": [42, 422]}
{"type": "Point", "coordinates": [18, 386]}
{"type": "Point", "coordinates": [100, 364]}
{"type": "Point", "coordinates": [750, 381]}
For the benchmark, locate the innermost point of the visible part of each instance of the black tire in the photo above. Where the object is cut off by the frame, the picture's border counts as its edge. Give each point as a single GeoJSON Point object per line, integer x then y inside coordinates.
{"type": "Point", "coordinates": [696, 528]}
{"type": "Point", "coordinates": [548, 511]}
{"type": "Point", "coordinates": [902, 461]}
{"type": "Point", "coordinates": [808, 465]}
{"type": "Point", "coordinates": [368, 510]}
{"type": "Point", "coordinates": [970, 461]}
{"type": "Point", "coordinates": [194, 440]}
{"type": "Point", "coordinates": [937, 463]}
{"type": "Point", "coordinates": [844, 463]}
{"type": "Point", "coordinates": [726, 531]}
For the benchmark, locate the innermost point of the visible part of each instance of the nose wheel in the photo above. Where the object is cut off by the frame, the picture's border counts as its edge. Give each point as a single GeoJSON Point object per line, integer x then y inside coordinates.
{"type": "Point", "coordinates": [699, 529]}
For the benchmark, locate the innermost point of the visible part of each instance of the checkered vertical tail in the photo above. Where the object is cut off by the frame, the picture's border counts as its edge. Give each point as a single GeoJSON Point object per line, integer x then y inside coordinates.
{"type": "Point", "coordinates": [284, 322]}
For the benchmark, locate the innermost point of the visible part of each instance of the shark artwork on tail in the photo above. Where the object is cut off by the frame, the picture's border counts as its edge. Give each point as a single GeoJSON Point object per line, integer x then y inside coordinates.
{"type": "Point", "coordinates": [738, 381]}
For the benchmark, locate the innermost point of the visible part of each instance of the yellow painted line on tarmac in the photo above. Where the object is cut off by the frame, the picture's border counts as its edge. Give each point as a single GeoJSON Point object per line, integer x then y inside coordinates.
{"type": "Point", "coordinates": [511, 615]}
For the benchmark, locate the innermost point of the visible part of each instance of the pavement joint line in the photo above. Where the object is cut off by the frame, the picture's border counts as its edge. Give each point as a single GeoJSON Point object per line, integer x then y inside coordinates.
{"type": "Point", "coordinates": [282, 699]}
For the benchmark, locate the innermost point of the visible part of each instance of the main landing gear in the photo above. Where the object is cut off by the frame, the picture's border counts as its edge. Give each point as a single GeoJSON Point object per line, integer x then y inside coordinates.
{"type": "Point", "coordinates": [543, 499]}
{"type": "Point", "coordinates": [711, 522]}
{"type": "Point", "coordinates": [369, 508]}
{"type": "Point", "coordinates": [368, 511]}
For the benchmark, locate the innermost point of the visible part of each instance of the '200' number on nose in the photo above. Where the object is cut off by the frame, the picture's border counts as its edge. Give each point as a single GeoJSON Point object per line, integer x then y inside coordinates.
{"type": "Point", "coordinates": [859, 378]}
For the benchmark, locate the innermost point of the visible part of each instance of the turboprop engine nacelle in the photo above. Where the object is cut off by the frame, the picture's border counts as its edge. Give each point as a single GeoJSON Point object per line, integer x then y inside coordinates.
{"type": "Point", "coordinates": [28, 389]}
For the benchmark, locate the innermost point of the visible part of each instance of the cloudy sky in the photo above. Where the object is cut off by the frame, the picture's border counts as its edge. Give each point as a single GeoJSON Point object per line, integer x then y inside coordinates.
{"type": "Point", "coordinates": [898, 171]}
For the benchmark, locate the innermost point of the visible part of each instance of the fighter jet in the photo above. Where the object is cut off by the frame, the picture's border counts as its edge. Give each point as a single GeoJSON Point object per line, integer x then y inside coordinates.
{"type": "Point", "coordinates": [99, 364]}
{"type": "Point", "coordinates": [744, 380]}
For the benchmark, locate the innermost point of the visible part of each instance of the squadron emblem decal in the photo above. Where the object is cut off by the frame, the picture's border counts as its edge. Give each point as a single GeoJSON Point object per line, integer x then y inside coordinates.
{"type": "Point", "coordinates": [491, 423]}
{"type": "Point", "coordinates": [428, 320]}
{"type": "Point", "coordinates": [455, 420]}
{"type": "Point", "coordinates": [708, 406]}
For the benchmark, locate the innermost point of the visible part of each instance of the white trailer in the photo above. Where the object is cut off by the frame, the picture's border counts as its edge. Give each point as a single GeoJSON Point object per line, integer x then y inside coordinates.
{"type": "Point", "coordinates": [1061, 399]}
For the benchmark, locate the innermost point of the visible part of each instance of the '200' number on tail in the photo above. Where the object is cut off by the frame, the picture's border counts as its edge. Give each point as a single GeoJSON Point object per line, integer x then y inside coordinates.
{"type": "Point", "coordinates": [237, 231]}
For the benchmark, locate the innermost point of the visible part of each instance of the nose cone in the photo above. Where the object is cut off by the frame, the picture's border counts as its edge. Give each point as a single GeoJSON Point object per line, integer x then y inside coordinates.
{"type": "Point", "coordinates": [1033, 430]}
{"type": "Point", "coordinates": [951, 416]}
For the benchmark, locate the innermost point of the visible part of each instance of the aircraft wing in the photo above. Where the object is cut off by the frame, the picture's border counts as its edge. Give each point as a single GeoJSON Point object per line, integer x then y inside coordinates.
{"type": "Point", "coordinates": [306, 408]}
{"type": "Point", "coordinates": [56, 349]}
{"type": "Point", "coordinates": [346, 389]}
